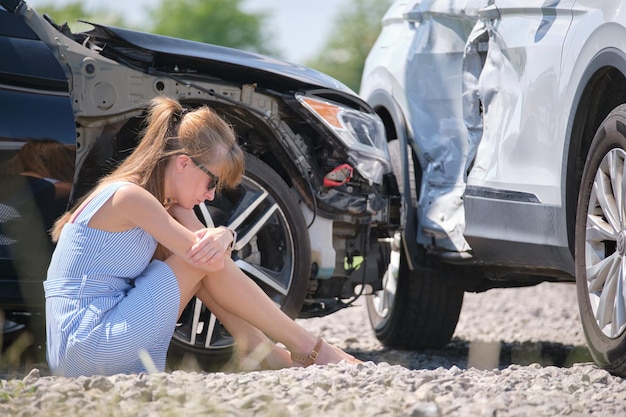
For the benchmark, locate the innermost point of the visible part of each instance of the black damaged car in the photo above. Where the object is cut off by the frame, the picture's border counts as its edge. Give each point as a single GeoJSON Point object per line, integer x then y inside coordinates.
{"type": "Point", "coordinates": [311, 213]}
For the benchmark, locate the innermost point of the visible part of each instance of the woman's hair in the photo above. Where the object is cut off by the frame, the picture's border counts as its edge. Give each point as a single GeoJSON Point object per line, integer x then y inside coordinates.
{"type": "Point", "coordinates": [173, 130]}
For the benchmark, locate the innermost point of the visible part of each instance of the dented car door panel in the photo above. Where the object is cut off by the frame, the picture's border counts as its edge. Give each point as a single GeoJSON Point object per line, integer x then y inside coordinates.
{"type": "Point", "coordinates": [513, 194]}
{"type": "Point", "coordinates": [521, 96]}
{"type": "Point", "coordinates": [460, 90]}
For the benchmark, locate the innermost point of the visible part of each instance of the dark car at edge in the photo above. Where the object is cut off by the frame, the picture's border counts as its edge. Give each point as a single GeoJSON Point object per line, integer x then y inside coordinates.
{"type": "Point", "coordinates": [311, 213]}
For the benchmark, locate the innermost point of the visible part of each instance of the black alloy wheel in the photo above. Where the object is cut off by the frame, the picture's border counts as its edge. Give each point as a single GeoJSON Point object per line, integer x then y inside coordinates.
{"type": "Point", "coordinates": [413, 309]}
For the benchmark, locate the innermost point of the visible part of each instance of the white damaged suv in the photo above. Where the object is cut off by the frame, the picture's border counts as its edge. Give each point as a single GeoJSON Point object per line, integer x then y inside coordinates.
{"type": "Point", "coordinates": [507, 122]}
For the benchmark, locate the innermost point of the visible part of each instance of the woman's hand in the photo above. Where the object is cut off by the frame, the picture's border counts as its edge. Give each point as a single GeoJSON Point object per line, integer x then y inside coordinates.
{"type": "Point", "coordinates": [211, 246]}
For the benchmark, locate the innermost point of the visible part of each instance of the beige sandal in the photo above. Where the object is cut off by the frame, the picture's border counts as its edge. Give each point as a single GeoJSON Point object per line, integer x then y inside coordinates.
{"type": "Point", "coordinates": [308, 360]}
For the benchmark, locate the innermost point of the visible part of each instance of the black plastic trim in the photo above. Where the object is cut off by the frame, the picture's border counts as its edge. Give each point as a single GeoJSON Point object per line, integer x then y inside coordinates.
{"type": "Point", "coordinates": [498, 194]}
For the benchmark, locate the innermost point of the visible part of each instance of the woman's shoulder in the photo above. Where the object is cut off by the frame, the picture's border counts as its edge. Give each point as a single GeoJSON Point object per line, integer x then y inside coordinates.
{"type": "Point", "coordinates": [131, 195]}
{"type": "Point", "coordinates": [124, 206]}
{"type": "Point", "coordinates": [114, 186]}
{"type": "Point", "coordinates": [107, 195]}
{"type": "Point", "coordinates": [125, 189]}
{"type": "Point", "coordinates": [117, 183]}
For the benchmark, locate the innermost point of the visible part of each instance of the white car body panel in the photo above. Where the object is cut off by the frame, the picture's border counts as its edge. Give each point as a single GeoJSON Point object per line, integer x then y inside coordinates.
{"type": "Point", "coordinates": [524, 57]}
{"type": "Point", "coordinates": [487, 89]}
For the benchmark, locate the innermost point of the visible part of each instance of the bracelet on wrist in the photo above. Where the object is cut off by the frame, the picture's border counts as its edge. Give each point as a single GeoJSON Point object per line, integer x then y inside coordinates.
{"type": "Point", "coordinates": [234, 233]}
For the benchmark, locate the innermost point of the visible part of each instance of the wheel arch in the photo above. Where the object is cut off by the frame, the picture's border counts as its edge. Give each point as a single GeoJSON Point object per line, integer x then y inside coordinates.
{"type": "Point", "coordinates": [391, 114]}
{"type": "Point", "coordinates": [257, 136]}
{"type": "Point", "coordinates": [601, 89]}
{"type": "Point", "coordinates": [396, 127]}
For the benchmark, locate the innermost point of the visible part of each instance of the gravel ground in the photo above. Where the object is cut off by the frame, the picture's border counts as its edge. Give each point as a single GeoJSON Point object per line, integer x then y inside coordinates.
{"type": "Point", "coordinates": [516, 352]}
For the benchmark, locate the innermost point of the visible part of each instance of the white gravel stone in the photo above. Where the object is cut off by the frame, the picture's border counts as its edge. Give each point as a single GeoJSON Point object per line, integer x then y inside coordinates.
{"type": "Point", "coordinates": [516, 352]}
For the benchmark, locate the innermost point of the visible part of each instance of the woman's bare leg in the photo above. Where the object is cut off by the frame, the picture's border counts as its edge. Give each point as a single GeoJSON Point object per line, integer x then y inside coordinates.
{"type": "Point", "coordinates": [237, 295]}
{"type": "Point", "coordinates": [252, 344]}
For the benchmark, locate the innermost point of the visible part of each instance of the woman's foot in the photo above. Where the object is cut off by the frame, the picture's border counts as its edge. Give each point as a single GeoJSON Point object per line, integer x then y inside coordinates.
{"type": "Point", "coordinates": [322, 353]}
{"type": "Point", "coordinates": [266, 356]}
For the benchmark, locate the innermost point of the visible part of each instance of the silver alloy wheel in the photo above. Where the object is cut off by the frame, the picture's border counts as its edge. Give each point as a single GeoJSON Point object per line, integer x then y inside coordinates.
{"type": "Point", "coordinates": [605, 244]}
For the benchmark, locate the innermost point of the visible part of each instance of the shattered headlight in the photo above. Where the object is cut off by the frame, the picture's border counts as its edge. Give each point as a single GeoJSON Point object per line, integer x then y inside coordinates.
{"type": "Point", "coordinates": [362, 133]}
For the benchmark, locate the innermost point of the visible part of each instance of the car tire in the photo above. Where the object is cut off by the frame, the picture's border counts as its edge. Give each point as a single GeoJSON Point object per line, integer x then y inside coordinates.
{"type": "Point", "coordinates": [273, 249]}
{"type": "Point", "coordinates": [600, 244]}
{"type": "Point", "coordinates": [414, 309]}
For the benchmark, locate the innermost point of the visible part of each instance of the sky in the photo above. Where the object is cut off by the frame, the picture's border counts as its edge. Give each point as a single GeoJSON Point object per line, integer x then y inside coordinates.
{"type": "Point", "coordinates": [300, 27]}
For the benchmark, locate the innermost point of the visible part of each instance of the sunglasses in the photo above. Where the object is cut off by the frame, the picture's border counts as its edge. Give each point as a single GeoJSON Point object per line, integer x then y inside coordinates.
{"type": "Point", "coordinates": [214, 178]}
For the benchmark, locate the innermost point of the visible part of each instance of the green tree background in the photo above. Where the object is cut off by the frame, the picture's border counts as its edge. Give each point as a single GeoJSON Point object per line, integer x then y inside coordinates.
{"type": "Point", "coordinates": [219, 22]}
{"type": "Point", "coordinates": [72, 13]}
{"type": "Point", "coordinates": [353, 33]}
{"type": "Point", "coordinates": [222, 22]}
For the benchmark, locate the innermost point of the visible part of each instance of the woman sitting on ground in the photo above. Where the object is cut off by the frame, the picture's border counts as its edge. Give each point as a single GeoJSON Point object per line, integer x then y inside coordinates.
{"type": "Point", "coordinates": [111, 298]}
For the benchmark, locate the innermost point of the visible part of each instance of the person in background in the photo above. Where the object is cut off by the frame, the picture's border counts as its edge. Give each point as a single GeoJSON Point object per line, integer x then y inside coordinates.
{"type": "Point", "coordinates": [50, 160]}
{"type": "Point", "coordinates": [35, 185]}
{"type": "Point", "coordinates": [41, 172]}
{"type": "Point", "coordinates": [132, 253]}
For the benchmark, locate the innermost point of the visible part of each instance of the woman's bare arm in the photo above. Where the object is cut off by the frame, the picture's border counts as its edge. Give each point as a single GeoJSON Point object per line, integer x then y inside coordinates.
{"type": "Point", "coordinates": [133, 206]}
{"type": "Point", "coordinates": [189, 219]}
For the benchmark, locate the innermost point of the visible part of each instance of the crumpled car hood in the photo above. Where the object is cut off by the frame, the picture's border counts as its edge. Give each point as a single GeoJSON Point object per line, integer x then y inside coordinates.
{"type": "Point", "coordinates": [255, 65]}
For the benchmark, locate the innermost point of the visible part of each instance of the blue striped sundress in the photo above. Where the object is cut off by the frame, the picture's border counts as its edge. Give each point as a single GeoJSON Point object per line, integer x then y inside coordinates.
{"type": "Point", "coordinates": [106, 300]}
